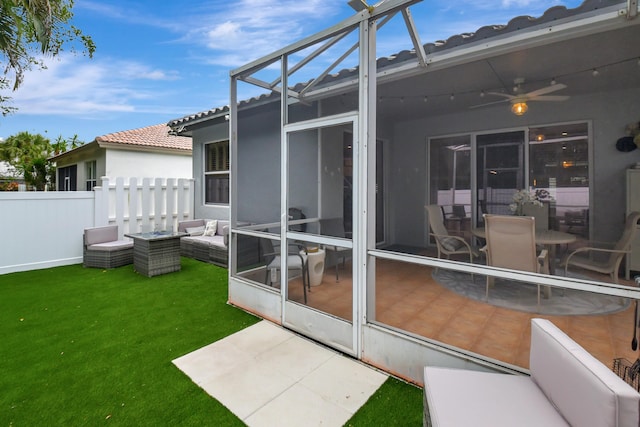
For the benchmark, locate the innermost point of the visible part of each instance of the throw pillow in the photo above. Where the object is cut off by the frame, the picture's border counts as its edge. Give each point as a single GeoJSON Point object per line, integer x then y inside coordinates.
{"type": "Point", "coordinates": [195, 231]}
{"type": "Point", "coordinates": [210, 229]}
{"type": "Point", "coordinates": [451, 244]}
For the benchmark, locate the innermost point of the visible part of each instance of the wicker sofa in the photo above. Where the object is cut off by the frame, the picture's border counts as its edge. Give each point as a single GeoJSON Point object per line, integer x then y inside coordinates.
{"type": "Point", "coordinates": [102, 249]}
{"type": "Point", "coordinates": [215, 248]}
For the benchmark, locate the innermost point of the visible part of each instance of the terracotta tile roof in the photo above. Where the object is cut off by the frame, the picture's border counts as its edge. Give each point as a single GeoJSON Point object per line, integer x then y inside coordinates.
{"type": "Point", "coordinates": [156, 136]}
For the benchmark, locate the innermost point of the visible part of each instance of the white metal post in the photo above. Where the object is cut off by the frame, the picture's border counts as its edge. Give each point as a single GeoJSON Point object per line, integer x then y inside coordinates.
{"type": "Point", "coordinates": [233, 173]}
{"type": "Point", "coordinates": [363, 207]}
{"type": "Point", "coordinates": [284, 180]}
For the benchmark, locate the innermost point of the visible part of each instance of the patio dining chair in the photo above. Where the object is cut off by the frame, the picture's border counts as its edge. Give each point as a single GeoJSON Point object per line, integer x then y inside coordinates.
{"type": "Point", "coordinates": [446, 243]}
{"type": "Point", "coordinates": [511, 243]}
{"type": "Point", "coordinates": [295, 261]}
{"type": "Point", "coordinates": [585, 257]}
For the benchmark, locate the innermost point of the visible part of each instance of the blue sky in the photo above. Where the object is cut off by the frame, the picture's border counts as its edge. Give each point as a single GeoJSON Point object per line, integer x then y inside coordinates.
{"type": "Point", "coordinates": [159, 60]}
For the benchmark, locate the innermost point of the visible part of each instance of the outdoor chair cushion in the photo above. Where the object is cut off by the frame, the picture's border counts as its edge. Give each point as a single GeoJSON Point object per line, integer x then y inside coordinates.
{"type": "Point", "coordinates": [111, 246]}
{"type": "Point", "coordinates": [459, 397]}
{"type": "Point", "coordinates": [195, 231]}
{"type": "Point", "coordinates": [210, 228]}
{"type": "Point", "coordinates": [567, 386]}
{"type": "Point", "coordinates": [451, 243]}
{"type": "Point", "coordinates": [206, 240]}
{"type": "Point", "coordinates": [585, 391]}
{"type": "Point", "coordinates": [104, 234]}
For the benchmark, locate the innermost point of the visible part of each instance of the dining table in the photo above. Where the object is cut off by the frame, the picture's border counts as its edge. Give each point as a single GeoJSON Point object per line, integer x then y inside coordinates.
{"type": "Point", "coordinates": [547, 238]}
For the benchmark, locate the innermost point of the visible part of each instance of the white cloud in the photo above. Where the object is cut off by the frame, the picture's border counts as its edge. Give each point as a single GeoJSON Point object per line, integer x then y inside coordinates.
{"type": "Point", "coordinates": [132, 14]}
{"type": "Point", "coordinates": [248, 29]}
{"type": "Point", "coordinates": [78, 86]}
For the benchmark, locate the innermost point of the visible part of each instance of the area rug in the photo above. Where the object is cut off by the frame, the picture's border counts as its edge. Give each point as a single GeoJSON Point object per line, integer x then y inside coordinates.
{"type": "Point", "coordinates": [524, 297]}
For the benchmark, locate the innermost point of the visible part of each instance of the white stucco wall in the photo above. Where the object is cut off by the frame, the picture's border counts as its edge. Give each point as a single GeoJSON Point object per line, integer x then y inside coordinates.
{"type": "Point", "coordinates": [122, 163]}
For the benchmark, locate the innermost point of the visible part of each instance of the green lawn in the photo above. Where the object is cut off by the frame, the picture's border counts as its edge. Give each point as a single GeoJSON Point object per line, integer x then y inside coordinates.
{"type": "Point", "coordinates": [85, 347]}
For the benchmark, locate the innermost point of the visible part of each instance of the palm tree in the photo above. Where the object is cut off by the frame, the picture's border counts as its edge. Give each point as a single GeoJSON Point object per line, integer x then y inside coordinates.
{"type": "Point", "coordinates": [24, 23]}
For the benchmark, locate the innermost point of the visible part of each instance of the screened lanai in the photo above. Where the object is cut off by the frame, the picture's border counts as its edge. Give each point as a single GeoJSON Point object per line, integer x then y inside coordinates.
{"type": "Point", "coordinates": [337, 148]}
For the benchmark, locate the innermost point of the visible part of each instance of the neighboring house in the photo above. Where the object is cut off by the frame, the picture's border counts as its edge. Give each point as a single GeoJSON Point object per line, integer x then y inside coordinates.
{"type": "Point", "coordinates": [9, 178]}
{"type": "Point", "coordinates": [457, 122]}
{"type": "Point", "coordinates": [149, 152]}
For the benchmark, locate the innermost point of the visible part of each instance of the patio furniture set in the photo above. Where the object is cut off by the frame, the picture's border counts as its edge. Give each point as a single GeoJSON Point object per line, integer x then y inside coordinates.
{"type": "Point", "coordinates": [159, 252]}
{"type": "Point", "coordinates": [151, 253]}
{"type": "Point", "coordinates": [605, 260]}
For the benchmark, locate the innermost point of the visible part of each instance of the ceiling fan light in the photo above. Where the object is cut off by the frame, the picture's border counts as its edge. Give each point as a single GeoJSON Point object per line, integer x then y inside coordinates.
{"type": "Point", "coordinates": [519, 108]}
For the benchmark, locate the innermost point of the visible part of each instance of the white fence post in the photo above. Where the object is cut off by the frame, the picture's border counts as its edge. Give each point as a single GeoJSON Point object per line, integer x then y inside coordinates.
{"type": "Point", "coordinates": [185, 210]}
{"type": "Point", "coordinates": [120, 202]}
{"type": "Point", "coordinates": [146, 205]}
{"type": "Point", "coordinates": [158, 204]}
{"type": "Point", "coordinates": [133, 205]}
{"type": "Point", "coordinates": [101, 206]}
{"type": "Point", "coordinates": [171, 202]}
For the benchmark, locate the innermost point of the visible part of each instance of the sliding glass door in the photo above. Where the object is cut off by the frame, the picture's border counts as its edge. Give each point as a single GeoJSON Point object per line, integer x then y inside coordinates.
{"type": "Point", "coordinates": [500, 171]}
{"type": "Point", "coordinates": [551, 162]}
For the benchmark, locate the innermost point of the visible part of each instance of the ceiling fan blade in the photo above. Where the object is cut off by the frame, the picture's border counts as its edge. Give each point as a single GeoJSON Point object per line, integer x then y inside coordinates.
{"type": "Point", "coordinates": [506, 95]}
{"type": "Point", "coordinates": [490, 103]}
{"type": "Point", "coordinates": [545, 90]}
{"type": "Point", "coordinates": [549, 98]}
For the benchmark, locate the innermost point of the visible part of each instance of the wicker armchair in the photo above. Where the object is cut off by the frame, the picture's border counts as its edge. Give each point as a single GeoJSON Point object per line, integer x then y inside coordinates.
{"type": "Point", "coordinates": [102, 249]}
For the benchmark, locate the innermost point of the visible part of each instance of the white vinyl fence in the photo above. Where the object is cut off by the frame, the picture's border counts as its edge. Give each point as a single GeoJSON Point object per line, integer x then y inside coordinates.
{"type": "Point", "coordinates": [44, 229]}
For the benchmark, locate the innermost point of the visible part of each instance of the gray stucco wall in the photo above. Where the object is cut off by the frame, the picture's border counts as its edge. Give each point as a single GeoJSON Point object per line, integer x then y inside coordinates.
{"type": "Point", "coordinates": [201, 136]}
{"type": "Point", "coordinates": [608, 112]}
{"type": "Point", "coordinates": [258, 166]}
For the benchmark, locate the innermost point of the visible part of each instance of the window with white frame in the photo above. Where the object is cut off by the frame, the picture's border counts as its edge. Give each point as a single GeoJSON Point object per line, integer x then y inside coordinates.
{"type": "Point", "coordinates": [91, 174]}
{"type": "Point", "coordinates": [216, 173]}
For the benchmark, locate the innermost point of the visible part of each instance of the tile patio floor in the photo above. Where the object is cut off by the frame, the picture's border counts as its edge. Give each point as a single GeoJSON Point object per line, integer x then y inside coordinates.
{"type": "Point", "coordinates": [409, 299]}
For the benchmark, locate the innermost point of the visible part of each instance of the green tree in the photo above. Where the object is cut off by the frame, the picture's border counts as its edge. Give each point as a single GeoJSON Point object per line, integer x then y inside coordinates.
{"type": "Point", "coordinates": [28, 154]}
{"type": "Point", "coordinates": [30, 29]}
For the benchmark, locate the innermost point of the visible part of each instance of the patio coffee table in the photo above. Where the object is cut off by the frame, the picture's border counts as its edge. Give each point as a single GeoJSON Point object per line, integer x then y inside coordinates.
{"type": "Point", "coordinates": [156, 252]}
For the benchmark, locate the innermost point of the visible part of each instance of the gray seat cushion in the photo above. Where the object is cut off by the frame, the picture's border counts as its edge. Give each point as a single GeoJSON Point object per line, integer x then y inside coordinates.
{"type": "Point", "coordinates": [115, 245]}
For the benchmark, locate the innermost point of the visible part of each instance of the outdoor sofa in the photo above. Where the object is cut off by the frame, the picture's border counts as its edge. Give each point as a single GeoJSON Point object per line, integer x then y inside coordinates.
{"type": "Point", "coordinates": [567, 386]}
{"type": "Point", "coordinates": [215, 248]}
{"type": "Point", "coordinates": [102, 249]}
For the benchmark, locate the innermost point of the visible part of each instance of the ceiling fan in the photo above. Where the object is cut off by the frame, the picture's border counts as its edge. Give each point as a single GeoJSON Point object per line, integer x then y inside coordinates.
{"type": "Point", "coordinates": [519, 100]}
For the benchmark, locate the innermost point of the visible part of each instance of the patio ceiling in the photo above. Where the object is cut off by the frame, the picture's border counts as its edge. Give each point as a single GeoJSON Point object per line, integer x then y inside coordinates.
{"type": "Point", "coordinates": [615, 54]}
{"type": "Point", "coordinates": [607, 42]}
